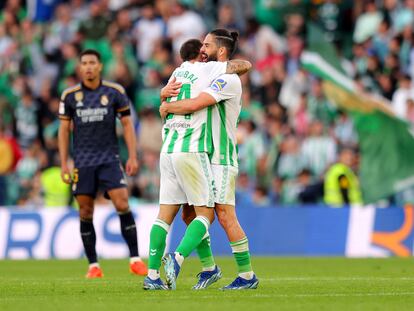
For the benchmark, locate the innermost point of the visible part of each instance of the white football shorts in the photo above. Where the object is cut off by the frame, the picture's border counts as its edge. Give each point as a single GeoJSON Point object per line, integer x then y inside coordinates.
{"type": "Point", "coordinates": [225, 183]}
{"type": "Point", "coordinates": [186, 178]}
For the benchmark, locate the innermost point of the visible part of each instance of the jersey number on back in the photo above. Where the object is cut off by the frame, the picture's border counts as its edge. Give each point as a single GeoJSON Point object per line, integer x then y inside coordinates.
{"type": "Point", "coordinates": [185, 93]}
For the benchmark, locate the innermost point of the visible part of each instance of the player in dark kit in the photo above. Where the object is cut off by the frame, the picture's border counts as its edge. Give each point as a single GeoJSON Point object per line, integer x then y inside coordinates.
{"type": "Point", "coordinates": [92, 107]}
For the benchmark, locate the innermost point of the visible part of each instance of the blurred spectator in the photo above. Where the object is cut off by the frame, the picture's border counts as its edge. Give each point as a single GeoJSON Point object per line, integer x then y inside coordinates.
{"type": "Point", "coordinates": [27, 120]}
{"type": "Point", "coordinates": [184, 24]}
{"type": "Point", "coordinates": [251, 148]}
{"type": "Point", "coordinates": [344, 131]}
{"type": "Point", "coordinates": [269, 89]}
{"type": "Point", "coordinates": [292, 88]}
{"type": "Point", "coordinates": [301, 116]}
{"type": "Point", "coordinates": [319, 108]}
{"type": "Point", "coordinates": [410, 110]}
{"type": "Point", "coordinates": [63, 29]}
{"type": "Point", "coordinates": [381, 39]}
{"type": "Point", "coordinates": [79, 10]}
{"type": "Point", "coordinates": [147, 182]}
{"type": "Point", "coordinates": [367, 23]}
{"type": "Point", "coordinates": [318, 150]}
{"type": "Point", "coordinates": [261, 42]}
{"type": "Point", "coordinates": [260, 197]}
{"type": "Point", "coordinates": [244, 188]}
{"type": "Point", "coordinates": [32, 196]}
{"type": "Point", "coordinates": [115, 5]}
{"type": "Point", "coordinates": [147, 31]}
{"type": "Point", "coordinates": [242, 11]}
{"type": "Point", "coordinates": [404, 16]}
{"type": "Point", "coordinates": [122, 68]}
{"type": "Point", "coordinates": [302, 189]}
{"type": "Point", "coordinates": [33, 159]}
{"type": "Point", "coordinates": [311, 191]}
{"type": "Point", "coordinates": [294, 49]}
{"type": "Point", "coordinates": [341, 185]}
{"type": "Point", "coordinates": [275, 192]}
{"type": "Point", "coordinates": [290, 161]}
{"type": "Point", "coordinates": [95, 27]}
{"type": "Point", "coordinates": [149, 137]}
{"type": "Point", "coordinates": [404, 92]}
{"type": "Point", "coordinates": [5, 43]}
{"type": "Point", "coordinates": [121, 28]}
{"type": "Point", "coordinates": [226, 18]}
{"type": "Point", "coordinates": [149, 96]}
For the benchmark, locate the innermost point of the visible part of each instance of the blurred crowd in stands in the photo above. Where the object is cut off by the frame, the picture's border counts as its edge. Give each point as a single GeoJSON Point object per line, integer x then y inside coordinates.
{"type": "Point", "coordinates": [289, 133]}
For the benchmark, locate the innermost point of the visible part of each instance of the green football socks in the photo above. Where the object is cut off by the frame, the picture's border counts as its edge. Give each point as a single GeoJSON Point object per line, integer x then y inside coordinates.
{"type": "Point", "coordinates": [158, 238]}
{"type": "Point", "coordinates": [193, 235]}
{"type": "Point", "coordinates": [241, 253]}
{"type": "Point", "coordinates": [205, 254]}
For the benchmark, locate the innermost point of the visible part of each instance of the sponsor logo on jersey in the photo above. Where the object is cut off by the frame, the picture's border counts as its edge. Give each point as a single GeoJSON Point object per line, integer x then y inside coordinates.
{"type": "Point", "coordinates": [218, 85]}
{"type": "Point", "coordinates": [91, 114]}
{"type": "Point", "coordinates": [104, 100]}
{"type": "Point", "coordinates": [79, 104]}
{"type": "Point", "coordinates": [177, 125]}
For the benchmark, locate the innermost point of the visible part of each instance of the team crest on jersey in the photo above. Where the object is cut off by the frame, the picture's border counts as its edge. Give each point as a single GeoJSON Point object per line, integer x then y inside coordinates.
{"type": "Point", "coordinates": [104, 100]}
{"type": "Point", "coordinates": [219, 85]}
{"type": "Point", "coordinates": [78, 96]}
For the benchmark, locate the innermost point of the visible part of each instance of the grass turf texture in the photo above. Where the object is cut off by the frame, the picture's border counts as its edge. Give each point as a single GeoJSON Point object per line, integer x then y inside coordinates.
{"type": "Point", "coordinates": [285, 284]}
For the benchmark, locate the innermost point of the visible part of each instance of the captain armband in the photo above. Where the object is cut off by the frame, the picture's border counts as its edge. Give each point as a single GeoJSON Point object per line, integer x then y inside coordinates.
{"type": "Point", "coordinates": [124, 112]}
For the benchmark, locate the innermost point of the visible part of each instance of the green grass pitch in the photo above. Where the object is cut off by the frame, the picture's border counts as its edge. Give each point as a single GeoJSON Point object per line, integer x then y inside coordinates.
{"type": "Point", "coordinates": [285, 284]}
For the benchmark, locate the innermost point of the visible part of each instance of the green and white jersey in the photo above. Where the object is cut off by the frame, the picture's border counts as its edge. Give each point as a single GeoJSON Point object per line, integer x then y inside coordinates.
{"type": "Point", "coordinates": [191, 132]}
{"type": "Point", "coordinates": [227, 91]}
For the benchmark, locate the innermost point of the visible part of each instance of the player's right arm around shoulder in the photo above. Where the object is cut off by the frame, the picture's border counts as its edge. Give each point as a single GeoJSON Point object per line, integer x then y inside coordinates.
{"type": "Point", "coordinates": [238, 66]}
{"type": "Point", "coordinates": [63, 141]}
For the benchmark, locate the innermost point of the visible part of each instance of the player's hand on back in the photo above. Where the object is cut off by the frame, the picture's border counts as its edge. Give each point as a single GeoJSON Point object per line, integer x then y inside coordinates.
{"type": "Point", "coordinates": [65, 174]}
{"type": "Point", "coordinates": [172, 89]}
{"type": "Point", "coordinates": [131, 167]}
{"type": "Point", "coordinates": [163, 110]}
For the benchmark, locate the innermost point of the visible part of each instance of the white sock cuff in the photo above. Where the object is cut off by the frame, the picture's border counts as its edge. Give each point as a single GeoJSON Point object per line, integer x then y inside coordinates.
{"type": "Point", "coordinates": [204, 221]}
{"type": "Point", "coordinates": [240, 246]}
{"type": "Point", "coordinates": [162, 224]}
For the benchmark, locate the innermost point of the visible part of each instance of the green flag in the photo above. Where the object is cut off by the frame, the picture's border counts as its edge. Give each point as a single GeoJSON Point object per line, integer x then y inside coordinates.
{"type": "Point", "coordinates": [386, 142]}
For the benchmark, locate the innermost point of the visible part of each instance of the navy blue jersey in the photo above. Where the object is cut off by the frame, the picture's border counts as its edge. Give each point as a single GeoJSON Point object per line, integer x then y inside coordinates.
{"type": "Point", "coordinates": [94, 113]}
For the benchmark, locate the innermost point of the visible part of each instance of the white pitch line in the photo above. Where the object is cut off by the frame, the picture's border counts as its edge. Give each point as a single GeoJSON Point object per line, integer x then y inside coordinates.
{"type": "Point", "coordinates": [327, 295]}
{"type": "Point", "coordinates": [356, 278]}
{"type": "Point", "coordinates": [260, 296]}
{"type": "Point", "coordinates": [74, 280]}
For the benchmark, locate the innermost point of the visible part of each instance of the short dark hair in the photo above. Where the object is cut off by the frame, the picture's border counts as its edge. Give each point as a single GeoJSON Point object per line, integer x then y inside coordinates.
{"type": "Point", "coordinates": [227, 39]}
{"type": "Point", "coordinates": [90, 52]}
{"type": "Point", "coordinates": [190, 49]}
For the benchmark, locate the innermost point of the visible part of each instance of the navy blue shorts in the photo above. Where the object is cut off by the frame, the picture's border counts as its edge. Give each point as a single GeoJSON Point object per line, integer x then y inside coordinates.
{"type": "Point", "coordinates": [105, 177]}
